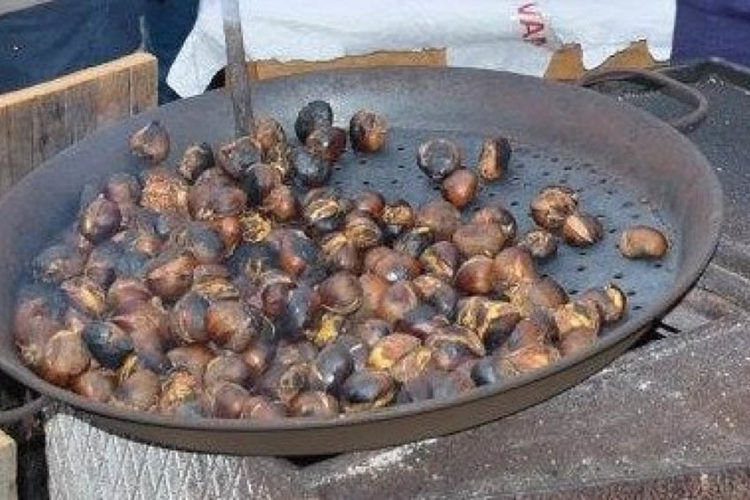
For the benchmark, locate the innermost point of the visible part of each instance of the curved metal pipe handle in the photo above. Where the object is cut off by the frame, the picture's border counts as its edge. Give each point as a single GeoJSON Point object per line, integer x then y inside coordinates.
{"type": "Point", "coordinates": [237, 77]}
{"type": "Point", "coordinates": [680, 91]}
{"type": "Point", "coordinates": [14, 415]}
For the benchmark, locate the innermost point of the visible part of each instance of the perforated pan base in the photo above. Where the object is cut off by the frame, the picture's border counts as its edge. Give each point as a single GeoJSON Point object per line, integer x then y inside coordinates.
{"type": "Point", "coordinates": [629, 166]}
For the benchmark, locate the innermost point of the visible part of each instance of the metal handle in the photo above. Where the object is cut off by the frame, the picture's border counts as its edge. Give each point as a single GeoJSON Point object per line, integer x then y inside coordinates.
{"type": "Point", "coordinates": [29, 409]}
{"type": "Point", "coordinates": [237, 78]}
{"type": "Point", "coordinates": [680, 91]}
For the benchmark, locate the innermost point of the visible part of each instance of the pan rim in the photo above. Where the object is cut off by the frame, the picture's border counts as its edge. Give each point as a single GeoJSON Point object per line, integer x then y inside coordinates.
{"type": "Point", "coordinates": [677, 290]}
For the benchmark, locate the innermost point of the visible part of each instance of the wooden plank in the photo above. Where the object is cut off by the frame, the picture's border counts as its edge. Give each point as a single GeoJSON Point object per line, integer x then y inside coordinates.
{"type": "Point", "coordinates": [426, 57]}
{"type": "Point", "coordinates": [51, 133]}
{"type": "Point", "coordinates": [80, 101]}
{"type": "Point", "coordinates": [6, 177]}
{"type": "Point", "coordinates": [20, 140]}
{"type": "Point", "coordinates": [143, 86]}
{"type": "Point", "coordinates": [112, 97]}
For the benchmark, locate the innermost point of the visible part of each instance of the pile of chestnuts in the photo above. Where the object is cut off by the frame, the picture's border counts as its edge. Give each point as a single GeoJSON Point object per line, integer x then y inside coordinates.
{"type": "Point", "coordinates": [237, 284]}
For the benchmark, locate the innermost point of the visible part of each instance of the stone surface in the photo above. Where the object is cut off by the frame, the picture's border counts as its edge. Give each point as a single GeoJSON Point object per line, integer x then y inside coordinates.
{"type": "Point", "coordinates": [7, 467]}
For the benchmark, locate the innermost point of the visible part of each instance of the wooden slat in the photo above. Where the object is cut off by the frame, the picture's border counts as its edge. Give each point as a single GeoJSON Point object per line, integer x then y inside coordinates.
{"type": "Point", "coordinates": [143, 86]}
{"type": "Point", "coordinates": [112, 97]}
{"type": "Point", "coordinates": [80, 101]}
{"type": "Point", "coordinates": [6, 177]}
{"type": "Point", "coordinates": [20, 140]}
{"type": "Point", "coordinates": [51, 133]}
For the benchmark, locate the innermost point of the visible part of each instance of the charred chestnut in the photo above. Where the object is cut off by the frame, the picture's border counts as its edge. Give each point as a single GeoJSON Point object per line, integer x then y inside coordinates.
{"type": "Point", "coordinates": [226, 367]}
{"type": "Point", "coordinates": [414, 364]}
{"type": "Point", "coordinates": [261, 408]}
{"type": "Point", "coordinates": [139, 390]}
{"type": "Point", "coordinates": [475, 276]}
{"type": "Point", "coordinates": [373, 290]}
{"type": "Point", "coordinates": [552, 205]}
{"type": "Point", "coordinates": [477, 238]}
{"type": "Point", "coordinates": [362, 231]}
{"type": "Point", "coordinates": [494, 158]}
{"type": "Point", "coordinates": [460, 187]}
{"type": "Point", "coordinates": [164, 190]}
{"type": "Point", "coordinates": [297, 253]}
{"type": "Point", "coordinates": [367, 389]}
{"type": "Point", "coordinates": [65, 357]}
{"type": "Point", "coordinates": [123, 189]}
{"type": "Point", "coordinates": [310, 170]}
{"type": "Point", "coordinates": [486, 372]}
{"type": "Point", "coordinates": [330, 326]}
{"type": "Point", "coordinates": [391, 265]}
{"type": "Point", "coordinates": [203, 242]}
{"type": "Point", "coordinates": [643, 242]}
{"type": "Point", "coordinates": [258, 182]}
{"type": "Point", "coordinates": [107, 343]}
{"type": "Point", "coordinates": [438, 158]}
{"type": "Point", "coordinates": [372, 330]}
{"type": "Point", "coordinates": [237, 157]}
{"type": "Point", "coordinates": [226, 400]}
{"type": "Point", "coordinates": [610, 300]}
{"type": "Point", "coordinates": [214, 196]}
{"type": "Point", "coordinates": [280, 203]}
{"type": "Point", "coordinates": [187, 318]}
{"type": "Point", "coordinates": [397, 217]}
{"type": "Point", "coordinates": [422, 321]}
{"type": "Point", "coordinates": [179, 388]}
{"type": "Point", "coordinates": [267, 134]}
{"type": "Point", "coordinates": [332, 366]}
{"type": "Point", "coordinates": [514, 266]}
{"type": "Point", "coordinates": [541, 244]}
{"type": "Point", "coordinates": [368, 131]}
{"type": "Point", "coordinates": [340, 252]}
{"type": "Point", "coordinates": [437, 293]}
{"type": "Point", "coordinates": [389, 349]}
{"type": "Point", "coordinates": [315, 114]}
{"type": "Point", "coordinates": [171, 275]}
{"type": "Point", "coordinates": [454, 345]}
{"type": "Point", "coordinates": [196, 159]}
{"type": "Point", "coordinates": [234, 325]}
{"type": "Point", "coordinates": [496, 214]}
{"type": "Point", "coordinates": [150, 143]}
{"type": "Point", "coordinates": [441, 259]}
{"type": "Point", "coordinates": [582, 230]}
{"type": "Point", "coordinates": [400, 298]}
{"type": "Point", "coordinates": [578, 316]}
{"type": "Point", "coordinates": [254, 226]}
{"type": "Point", "coordinates": [327, 143]}
{"type": "Point", "coordinates": [100, 220]}
{"type": "Point", "coordinates": [58, 263]}
{"type": "Point", "coordinates": [492, 320]}
{"type": "Point", "coordinates": [441, 217]}
{"type": "Point", "coordinates": [86, 295]}
{"type": "Point", "coordinates": [193, 358]}
{"type": "Point", "coordinates": [414, 241]}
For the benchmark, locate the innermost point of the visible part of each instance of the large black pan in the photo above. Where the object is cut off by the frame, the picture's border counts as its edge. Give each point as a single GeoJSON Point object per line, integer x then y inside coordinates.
{"type": "Point", "coordinates": [628, 165]}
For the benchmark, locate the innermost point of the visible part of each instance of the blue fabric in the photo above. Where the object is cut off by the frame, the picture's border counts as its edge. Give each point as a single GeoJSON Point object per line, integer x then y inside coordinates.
{"type": "Point", "coordinates": [706, 28]}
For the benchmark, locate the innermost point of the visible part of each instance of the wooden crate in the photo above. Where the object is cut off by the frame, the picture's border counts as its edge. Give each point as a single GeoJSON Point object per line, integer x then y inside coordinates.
{"type": "Point", "coordinates": [39, 121]}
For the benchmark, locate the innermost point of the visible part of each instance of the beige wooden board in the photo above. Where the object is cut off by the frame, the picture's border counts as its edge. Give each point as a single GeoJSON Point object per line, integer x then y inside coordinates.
{"type": "Point", "coordinates": [112, 97]}
{"type": "Point", "coordinates": [20, 139]}
{"type": "Point", "coordinates": [143, 86]}
{"type": "Point", "coordinates": [51, 133]}
{"type": "Point", "coordinates": [6, 178]}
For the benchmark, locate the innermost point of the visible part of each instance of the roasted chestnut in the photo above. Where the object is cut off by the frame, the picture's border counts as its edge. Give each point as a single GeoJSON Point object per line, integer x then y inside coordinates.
{"type": "Point", "coordinates": [527, 359]}
{"type": "Point", "coordinates": [310, 170]}
{"type": "Point", "coordinates": [372, 330]}
{"type": "Point", "coordinates": [368, 131]}
{"type": "Point", "coordinates": [226, 367]}
{"type": "Point", "coordinates": [125, 292]}
{"type": "Point", "coordinates": [367, 389]}
{"type": "Point", "coordinates": [496, 214]}
{"type": "Point", "coordinates": [340, 252]}
{"type": "Point", "coordinates": [453, 345]}
{"type": "Point", "coordinates": [267, 134]}
{"type": "Point", "coordinates": [370, 202]}
{"type": "Point", "coordinates": [437, 293]}
{"type": "Point", "coordinates": [400, 298]}
{"type": "Point", "coordinates": [315, 114]}
{"type": "Point", "coordinates": [576, 340]}
{"type": "Point", "coordinates": [581, 229]}
{"type": "Point", "coordinates": [196, 159]}
{"type": "Point", "coordinates": [643, 242]}
{"type": "Point", "coordinates": [492, 320]}
{"type": "Point", "coordinates": [460, 187]}
{"type": "Point", "coordinates": [233, 325]}
{"type": "Point", "coordinates": [414, 364]}
{"type": "Point", "coordinates": [188, 317]}
{"type": "Point", "coordinates": [151, 143]}
{"type": "Point", "coordinates": [552, 205]}
{"type": "Point", "coordinates": [537, 330]}
{"type": "Point", "coordinates": [362, 231]}
{"type": "Point", "coordinates": [486, 371]}
{"type": "Point", "coordinates": [65, 357]}
{"type": "Point", "coordinates": [341, 293]}
{"type": "Point", "coordinates": [226, 400]}
{"type": "Point", "coordinates": [477, 238]}
{"type": "Point", "coordinates": [332, 366]}
{"type": "Point", "coordinates": [107, 343]}
{"type": "Point", "coordinates": [85, 294]}
{"type": "Point", "coordinates": [237, 157]}
{"type": "Point", "coordinates": [373, 290]}
{"type": "Point", "coordinates": [100, 220]}
{"type": "Point", "coordinates": [139, 390]}
{"type": "Point", "coordinates": [391, 265]}
{"type": "Point", "coordinates": [58, 263]}
{"type": "Point", "coordinates": [422, 321]}
{"type": "Point", "coordinates": [123, 189]}
{"type": "Point", "coordinates": [327, 143]}
{"type": "Point", "coordinates": [179, 388]}
{"type": "Point", "coordinates": [475, 276]}
{"type": "Point", "coordinates": [259, 354]}
{"type": "Point", "coordinates": [441, 217]}
{"type": "Point", "coordinates": [446, 385]}
{"type": "Point", "coordinates": [514, 266]}
{"type": "Point", "coordinates": [164, 190]}
{"type": "Point", "coordinates": [212, 282]}
{"type": "Point", "coordinates": [389, 349]}
{"type": "Point", "coordinates": [323, 210]}
{"type": "Point", "coordinates": [261, 408]}
{"type": "Point", "coordinates": [438, 158]}
{"type": "Point", "coordinates": [297, 253]}
{"type": "Point", "coordinates": [544, 294]}
{"type": "Point", "coordinates": [494, 158]}
{"type": "Point", "coordinates": [215, 196]}
{"type": "Point", "coordinates": [541, 244]}
{"type": "Point", "coordinates": [314, 404]}
{"type": "Point", "coordinates": [414, 241]}
{"type": "Point", "coordinates": [577, 316]}
{"type": "Point", "coordinates": [258, 181]}
{"type": "Point", "coordinates": [194, 358]}
{"type": "Point", "coordinates": [254, 226]}
{"type": "Point", "coordinates": [280, 203]}
{"type": "Point", "coordinates": [171, 275]}
{"type": "Point", "coordinates": [330, 326]}
{"type": "Point", "coordinates": [203, 242]}
{"type": "Point", "coordinates": [397, 217]}
{"type": "Point", "coordinates": [97, 385]}
{"type": "Point", "coordinates": [610, 300]}
{"type": "Point", "coordinates": [441, 259]}
{"type": "Point", "coordinates": [301, 307]}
